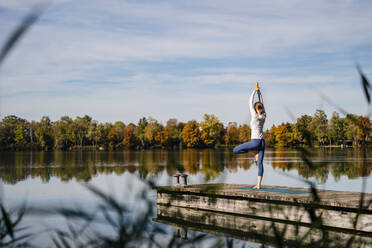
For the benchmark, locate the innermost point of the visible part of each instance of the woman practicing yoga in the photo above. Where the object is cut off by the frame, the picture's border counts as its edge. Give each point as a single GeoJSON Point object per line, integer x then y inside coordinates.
{"type": "Point", "coordinates": [257, 142]}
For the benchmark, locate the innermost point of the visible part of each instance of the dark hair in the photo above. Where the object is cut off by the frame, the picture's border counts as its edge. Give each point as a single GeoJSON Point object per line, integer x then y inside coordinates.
{"type": "Point", "coordinates": [258, 105]}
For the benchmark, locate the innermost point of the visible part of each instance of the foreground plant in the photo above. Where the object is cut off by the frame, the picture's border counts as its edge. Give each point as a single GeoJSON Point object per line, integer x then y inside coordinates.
{"type": "Point", "coordinates": [11, 234]}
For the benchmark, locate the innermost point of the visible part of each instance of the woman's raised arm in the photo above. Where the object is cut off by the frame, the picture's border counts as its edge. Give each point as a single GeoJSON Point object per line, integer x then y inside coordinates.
{"type": "Point", "coordinates": [251, 99]}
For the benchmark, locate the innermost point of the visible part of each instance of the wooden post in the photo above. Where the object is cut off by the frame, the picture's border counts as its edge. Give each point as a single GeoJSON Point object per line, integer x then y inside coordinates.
{"type": "Point", "coordinates": [176, 179]}
{"type": "Point", "coordinates": [184, 179]}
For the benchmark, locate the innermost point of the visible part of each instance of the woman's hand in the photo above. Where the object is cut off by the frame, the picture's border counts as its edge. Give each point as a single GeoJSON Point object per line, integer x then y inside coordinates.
{"type": "Point", "coordinates": [256, 87]}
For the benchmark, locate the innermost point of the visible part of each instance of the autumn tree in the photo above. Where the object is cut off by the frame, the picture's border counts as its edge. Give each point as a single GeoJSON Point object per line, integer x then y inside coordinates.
{"type": "Point", "coordinates": [119, 128]}
{"type": "Point", "coordinates": [131, 139]}
{"type": "Point", "coordinates": [17, 133]}
{"type": "Point", "coordinates": [93, 133]}
{"type": "Point", "coordinates": [116, 134]}
{"type": "Point", "coordinates": [232, 134]}
{"type": "Point", "coordinates": [363, 127]}
{"type": "Point", "coordinates": [244, 133]}
{"type": "Point", "coordinates": [152, 132]}
{"type": "Point", "coordinates": [284, 135]}
{"type": "Point", "coordinates": [211, 130]}
{"type": "Point", "coordinates": [270, 137]}
{"type": "Point", "coordinates": [191, 134]}
{"type": "Point", "coordinates": [102, 132]}
{"type": "Point", "coordinates": [180, 126]}
{"type": "Point", "coordinates": [169, 135]}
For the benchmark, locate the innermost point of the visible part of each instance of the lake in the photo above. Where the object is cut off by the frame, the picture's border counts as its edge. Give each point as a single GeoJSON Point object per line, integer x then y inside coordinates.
{"type": "Point", "coordinates": [44, 179]}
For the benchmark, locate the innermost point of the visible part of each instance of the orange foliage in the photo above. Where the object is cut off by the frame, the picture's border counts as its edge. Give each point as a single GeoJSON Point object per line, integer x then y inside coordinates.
{"type": "Point", "coordinates": [244, 133]}
{"type": "Point", "coordinates": [364, 128]}
{"type": "Point", "coordinates": [130, 136]}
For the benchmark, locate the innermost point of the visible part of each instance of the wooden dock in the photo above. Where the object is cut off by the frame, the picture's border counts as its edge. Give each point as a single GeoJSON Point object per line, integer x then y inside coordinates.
{"type": "Point", "coordinates": [238, 208]}
{"type": "Point", "coordinates": [248, 228]}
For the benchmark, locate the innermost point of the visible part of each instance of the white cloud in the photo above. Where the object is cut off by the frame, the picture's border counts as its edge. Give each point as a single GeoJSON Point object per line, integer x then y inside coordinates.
{"type": "Point", "coordinates": [77, 45]}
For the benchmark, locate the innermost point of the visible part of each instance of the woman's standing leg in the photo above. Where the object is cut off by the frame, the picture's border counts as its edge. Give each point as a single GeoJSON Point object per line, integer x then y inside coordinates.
{"type": "Point", "coordinates": [261, 153]}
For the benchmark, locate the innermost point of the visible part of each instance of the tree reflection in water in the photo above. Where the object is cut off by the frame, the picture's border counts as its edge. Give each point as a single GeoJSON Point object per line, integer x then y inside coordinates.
{"type": "Point", "coordinates": [210, 163]}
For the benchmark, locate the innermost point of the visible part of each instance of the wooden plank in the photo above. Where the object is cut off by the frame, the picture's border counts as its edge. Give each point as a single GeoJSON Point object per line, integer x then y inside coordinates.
{"type": "Point", "coordinates": [339, 211]}
{"type": "Point", "coordinates": [251, 228]}
{"type": "Point", "coordinates": [328, 197]}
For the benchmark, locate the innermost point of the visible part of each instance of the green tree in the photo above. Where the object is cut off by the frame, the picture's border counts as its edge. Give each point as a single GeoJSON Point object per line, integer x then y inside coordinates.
{"type": "Point", "coordinates": [44, 133]}
{"type": "Point", "coordinates": [63, 133]}
{"type": "Point", "coordinates": [303, 129]}
{"type": "Point", "coordinates": [142, 124]}
{"type": "Point", "coordinates": [21, 135]}
{"type": "Point", "coordinates": [3, 137]}
{"type": "Point", "coordinates": [319, 126]}
{"type": "Point", "coordinates": [337, 128]}
{"type": "Point", "coordinates": [80, 128]}
{"type": "Point", "coordinates": [351, 128]}
{"type": "Point", "coordinates": [294, 135]}
{"type": "Point", "coordinates": [14, 132]}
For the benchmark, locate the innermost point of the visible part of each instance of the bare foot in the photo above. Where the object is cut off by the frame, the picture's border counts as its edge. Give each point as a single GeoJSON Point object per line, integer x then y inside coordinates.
{"type": "Point", "coordinates": [257, 187]}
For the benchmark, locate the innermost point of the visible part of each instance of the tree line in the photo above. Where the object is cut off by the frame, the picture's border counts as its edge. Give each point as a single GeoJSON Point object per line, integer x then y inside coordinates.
{"type": "Point", "coordinates": [19, 134]}
{"type": "Point", "coordinates": [319, 130]}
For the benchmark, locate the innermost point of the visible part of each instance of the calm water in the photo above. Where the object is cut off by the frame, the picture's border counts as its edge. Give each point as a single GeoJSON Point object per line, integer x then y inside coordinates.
{"type": "Point", "coordinates": [57, 178]}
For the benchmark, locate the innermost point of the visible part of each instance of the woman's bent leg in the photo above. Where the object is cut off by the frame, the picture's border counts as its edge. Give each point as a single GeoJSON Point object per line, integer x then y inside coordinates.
{"type": "Point", "coordinates": [250, 145]}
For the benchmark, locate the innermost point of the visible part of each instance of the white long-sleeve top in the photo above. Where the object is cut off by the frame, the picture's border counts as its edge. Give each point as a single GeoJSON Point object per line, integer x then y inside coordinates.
{"type": "Point", "coordinates": [257, 121]}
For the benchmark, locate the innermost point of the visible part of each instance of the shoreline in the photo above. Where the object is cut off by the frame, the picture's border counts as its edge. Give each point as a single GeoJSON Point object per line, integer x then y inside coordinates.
{"type": "Point", "coordinates": [96, 148]}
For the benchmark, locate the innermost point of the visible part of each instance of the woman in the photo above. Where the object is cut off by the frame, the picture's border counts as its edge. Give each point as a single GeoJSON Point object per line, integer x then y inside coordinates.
{"type": "Point", "coordinates": [257, 142]}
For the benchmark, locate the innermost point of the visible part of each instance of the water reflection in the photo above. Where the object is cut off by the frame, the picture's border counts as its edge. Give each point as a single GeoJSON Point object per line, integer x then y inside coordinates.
{"type": "Point", "coordinates": [352, 163]}
{"type": "Point", "coordinates": [84, 165]}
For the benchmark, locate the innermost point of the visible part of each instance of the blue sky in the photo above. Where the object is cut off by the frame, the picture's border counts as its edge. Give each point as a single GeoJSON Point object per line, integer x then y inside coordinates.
{"type": "Point", "coordinates": [122, 60]}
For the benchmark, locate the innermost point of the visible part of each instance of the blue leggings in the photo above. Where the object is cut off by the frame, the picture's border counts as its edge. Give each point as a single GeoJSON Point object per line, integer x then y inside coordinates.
{"type": "Point", "coordinates": [253, 144]}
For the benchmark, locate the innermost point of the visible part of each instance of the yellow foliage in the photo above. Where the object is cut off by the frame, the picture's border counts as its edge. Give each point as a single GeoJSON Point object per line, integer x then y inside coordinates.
{"type": "Point", "coordinates": [211, 129]}
{"type": "Point", "coordinates": [191, 134]}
